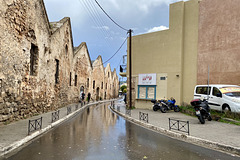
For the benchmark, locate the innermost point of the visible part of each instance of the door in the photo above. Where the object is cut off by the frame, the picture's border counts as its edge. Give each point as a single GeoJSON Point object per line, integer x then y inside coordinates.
{"type": "Point", "coordinates": [97, 94]}
{"type": "Point", "coordinates": [215, 99]}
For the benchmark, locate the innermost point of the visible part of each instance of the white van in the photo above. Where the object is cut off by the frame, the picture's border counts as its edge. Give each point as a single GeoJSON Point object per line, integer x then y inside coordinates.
{"type": "Point", "coordinates": [220, 97]}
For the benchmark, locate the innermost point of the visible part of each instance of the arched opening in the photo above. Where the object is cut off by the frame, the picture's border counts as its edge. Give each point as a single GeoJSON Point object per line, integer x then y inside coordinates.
{"type": "Point", "coordinates": [97, 94]}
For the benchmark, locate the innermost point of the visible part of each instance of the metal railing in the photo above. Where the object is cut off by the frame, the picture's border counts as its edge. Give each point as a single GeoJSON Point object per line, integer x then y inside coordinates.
{"type": "Point", "coordinates": [55, 116]}
{"type": "Point", "coordinates": [118, 108]}
{"type": "Point", "coordinates": [128, 112]}
{"type": "Point", "coordinates": [76, 107]}
{"type": "Point", "coordinates": [34, 125]}
{"type": "Point", "coordinates": [182, 126]}
{"type": "Point", "coordinates": [143, 116]}
{"type": "Point", "coordinates": [69, 110]}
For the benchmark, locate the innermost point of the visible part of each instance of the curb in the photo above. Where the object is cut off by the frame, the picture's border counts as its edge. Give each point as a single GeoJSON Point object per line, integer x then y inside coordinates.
{"type": "Point", "coordinates": [183, 137]}
{"type": "Point", "coordinates": [15, 145]}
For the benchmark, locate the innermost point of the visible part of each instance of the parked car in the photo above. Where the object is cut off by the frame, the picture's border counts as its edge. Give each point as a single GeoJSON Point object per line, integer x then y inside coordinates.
{"type": "Point", "coordinates": [220, 97]}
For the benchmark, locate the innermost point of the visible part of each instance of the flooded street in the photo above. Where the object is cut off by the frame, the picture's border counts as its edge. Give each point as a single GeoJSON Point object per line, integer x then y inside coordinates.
{"type": "Point", "coordinates": [98, 134]}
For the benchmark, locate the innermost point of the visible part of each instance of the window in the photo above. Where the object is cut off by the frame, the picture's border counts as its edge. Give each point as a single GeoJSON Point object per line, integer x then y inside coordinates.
{"type": "Point", "coordinates": [162, 78]}
{"type": "Point", "coordinates": [57, 72]}
{"type": "Point", "coordinates": [33, 60]}
{"type": "Point", "coordinates": [75, 80]}
{"type": "Point", "coordinates": [66, 49]}
{"type": "Point", "coordinates": [88, 82]}
{"type": "Point", "coordinates": [102, 85]}
{"type": "Point", "coordinates": [216, 91]}
{"type": "Point", "coordinates": [203, 90]}
{"type": "Point", "coordinates": [108, 74]}
{"type": "Point", "coordinates": [0, 87]}
{"type": "Point", "coordinates": [93, 84]}
{"type": "Point", "coordinates": [147, 92]}
{"type": "Point", "coordinates": [106, 85]}
{"type": "Point", "coordinates": [70, 80]}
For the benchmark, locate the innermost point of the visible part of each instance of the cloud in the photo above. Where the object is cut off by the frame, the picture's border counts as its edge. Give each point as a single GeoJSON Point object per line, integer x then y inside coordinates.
{"type": "Point", "coordinates": [102, 27]}
{"type": "Point", "coordinates": [155, 29]}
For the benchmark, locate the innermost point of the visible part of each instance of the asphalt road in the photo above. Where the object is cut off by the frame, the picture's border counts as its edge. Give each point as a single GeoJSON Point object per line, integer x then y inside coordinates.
{"type": "Point", "coordinates": [98, 133]}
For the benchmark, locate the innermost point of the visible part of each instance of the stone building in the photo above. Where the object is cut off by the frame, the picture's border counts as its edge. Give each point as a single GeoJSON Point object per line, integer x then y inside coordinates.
{"type": "Point", "coordinates": [40, 70]}
{"type": "Point", "coordinates": [201, 33]}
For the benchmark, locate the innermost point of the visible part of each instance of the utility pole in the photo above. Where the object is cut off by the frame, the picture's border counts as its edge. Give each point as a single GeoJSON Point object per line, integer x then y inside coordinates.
{"type": "Point", "coordinates": [130, 68]}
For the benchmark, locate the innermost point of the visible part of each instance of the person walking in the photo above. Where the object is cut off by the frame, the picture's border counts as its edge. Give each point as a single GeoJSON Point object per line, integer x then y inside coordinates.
{"type": "Point", "coordinates": [89, 97]}
{"type": "Point", "coordinates": [83, 96]}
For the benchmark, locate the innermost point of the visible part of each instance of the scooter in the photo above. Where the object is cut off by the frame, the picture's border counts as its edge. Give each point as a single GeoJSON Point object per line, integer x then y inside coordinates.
{"type": "Point", "coordinates": [169, 105]}
{"type": "Point", "coordinates": [202, 110]}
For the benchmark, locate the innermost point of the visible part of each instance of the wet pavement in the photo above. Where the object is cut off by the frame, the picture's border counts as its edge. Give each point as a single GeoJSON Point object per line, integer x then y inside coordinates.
{"type": "Point", "coordinates": [98, 133]}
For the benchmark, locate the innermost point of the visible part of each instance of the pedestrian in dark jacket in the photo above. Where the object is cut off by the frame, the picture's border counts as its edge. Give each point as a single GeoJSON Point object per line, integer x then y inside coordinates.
{"type": "Point", "coordinates": [89, 97]}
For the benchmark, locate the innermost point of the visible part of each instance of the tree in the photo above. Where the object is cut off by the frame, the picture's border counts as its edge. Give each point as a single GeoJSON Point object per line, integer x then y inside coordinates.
{"type": "Point", "coordinates": [123, 87]}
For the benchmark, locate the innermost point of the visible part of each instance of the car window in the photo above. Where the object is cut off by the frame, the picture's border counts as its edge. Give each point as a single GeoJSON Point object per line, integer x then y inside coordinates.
{"type": "Point", "coordinates": [203, 90]}
{"type": "Point", "coordinates": [216, 91]}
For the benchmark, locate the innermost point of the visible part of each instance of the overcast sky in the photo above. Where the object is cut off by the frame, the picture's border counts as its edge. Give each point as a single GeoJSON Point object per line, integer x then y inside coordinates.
{"type": "Point", "coordinates": [103, 37]}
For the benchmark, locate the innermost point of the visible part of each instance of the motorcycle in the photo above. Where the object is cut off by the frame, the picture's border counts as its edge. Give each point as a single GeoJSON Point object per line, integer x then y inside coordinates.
{"type": "Point", "coordinates": [202, 110]}
{"type": "Point", "coordinates": [169, 105]}
{"type": "Point", "coordinates": [165, 105]}
{"type": "Point", "coordinates": [156, 104]}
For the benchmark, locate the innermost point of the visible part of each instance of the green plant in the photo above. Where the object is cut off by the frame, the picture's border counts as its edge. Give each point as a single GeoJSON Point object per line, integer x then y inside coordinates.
{"type": "Point", "coordinates": [123, 87]}
{"type": "Point", "coordinates": [216, 115]}
{"type": "Point", "coordinates": [125, 90]}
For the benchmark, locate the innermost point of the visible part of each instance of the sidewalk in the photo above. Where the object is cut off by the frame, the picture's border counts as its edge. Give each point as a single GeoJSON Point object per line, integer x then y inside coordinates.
{"type": "Point", "coordinates": [15, 134]}
{"type": "Point", "coordinates": [212, 134]}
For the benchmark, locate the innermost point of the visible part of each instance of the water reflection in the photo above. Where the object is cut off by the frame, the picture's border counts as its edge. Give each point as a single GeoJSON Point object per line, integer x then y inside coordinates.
{"type": "Point", "coordinates": [97, 133]}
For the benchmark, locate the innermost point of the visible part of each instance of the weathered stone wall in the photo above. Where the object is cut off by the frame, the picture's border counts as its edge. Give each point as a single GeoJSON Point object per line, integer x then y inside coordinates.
{"type": "Point", "coordinates": [219, 42]}
{"type": "Point", "coordinates": [39, 68]}
{"type": "Point", "coordinates": [98, 78]}
{"type": "Point", "coordinates": [108, 83]}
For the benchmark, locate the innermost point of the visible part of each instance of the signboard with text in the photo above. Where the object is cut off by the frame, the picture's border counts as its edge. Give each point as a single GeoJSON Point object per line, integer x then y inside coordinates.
{"type": "Point", "coordinates": [147, 79]}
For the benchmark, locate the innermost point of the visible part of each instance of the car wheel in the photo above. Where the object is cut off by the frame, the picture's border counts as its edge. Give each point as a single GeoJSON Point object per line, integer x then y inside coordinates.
{"type": "Point", "coordinates": [226, 108]}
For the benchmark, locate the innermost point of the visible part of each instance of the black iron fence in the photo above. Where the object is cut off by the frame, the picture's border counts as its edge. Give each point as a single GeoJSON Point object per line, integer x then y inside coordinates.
{"type": "Point", "coordinates": [143, 116]}
{"type": "Point", "coordinates": [69, 110]}
{"type": "Point", "coordinates": [76, 107]}
{"type": "Point", "coordinates": [182, 126]}
{"type": "Point", "coordinates": [34, 125]}
{"type": "Point", "coordinates": [128, 112]}
{"type": "Point", "coordinates": [55, 116]}
{"type": "Point", "coordinates": [118, 108]}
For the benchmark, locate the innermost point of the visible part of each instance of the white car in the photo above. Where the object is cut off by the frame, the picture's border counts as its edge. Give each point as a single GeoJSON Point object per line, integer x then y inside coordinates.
{"type": "Point", "coordinates": [220, 97]}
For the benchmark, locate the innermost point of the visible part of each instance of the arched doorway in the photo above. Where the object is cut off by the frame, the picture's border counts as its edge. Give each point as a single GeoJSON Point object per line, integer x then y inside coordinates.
{"type": "Point", "coordinates": [97, 93]}
{"type": "Point", "coordinates": [81, 89]}
{"type": "Point", "coordinates": [114, 93]}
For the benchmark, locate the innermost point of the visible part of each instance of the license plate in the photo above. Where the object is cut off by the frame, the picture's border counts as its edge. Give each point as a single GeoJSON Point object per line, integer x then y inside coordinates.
{"type": "Point", "coordinates": [197, 112]}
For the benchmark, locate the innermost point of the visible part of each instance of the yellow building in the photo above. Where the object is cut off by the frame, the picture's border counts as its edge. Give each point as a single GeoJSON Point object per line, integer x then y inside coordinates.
{"type": "Point", "coordinates": [169, 63]}
{"type": "Point", "coordinates": [164, 63]}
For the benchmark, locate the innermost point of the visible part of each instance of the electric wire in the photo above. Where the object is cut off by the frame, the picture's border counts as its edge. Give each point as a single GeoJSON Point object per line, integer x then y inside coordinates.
{"type": "Point", "coordinates": [94, 20]}
{"type": "Point", "coordinates": [108, 59]}
{"type": "Point", "coordinates": [110, 17]}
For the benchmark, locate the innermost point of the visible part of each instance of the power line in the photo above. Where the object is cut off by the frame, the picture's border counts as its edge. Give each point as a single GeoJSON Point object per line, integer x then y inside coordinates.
{"type": "Point", "coordinates": [110, 17]}
{"type": "Point", "coordinates": [94, 20]}
{"type": "Point", "coordinates": [108, 58]}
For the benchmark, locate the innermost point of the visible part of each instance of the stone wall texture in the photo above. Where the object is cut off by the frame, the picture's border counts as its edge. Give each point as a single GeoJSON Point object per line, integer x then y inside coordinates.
{"type": "Point", "coordinates": [219, 42]}
{"type": "Point", "coordinates": [40, 69]}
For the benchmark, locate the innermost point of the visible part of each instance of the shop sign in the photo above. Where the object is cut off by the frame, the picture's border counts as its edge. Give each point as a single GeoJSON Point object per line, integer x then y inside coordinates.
{"type": "Point", "coordinates": [147, 79]}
